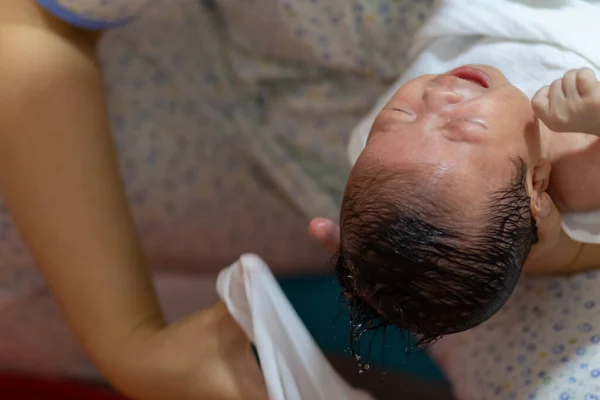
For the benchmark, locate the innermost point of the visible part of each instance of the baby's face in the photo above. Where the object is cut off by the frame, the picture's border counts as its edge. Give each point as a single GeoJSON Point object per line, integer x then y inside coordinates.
{"type": "Point", "coordinates": [469, 123]}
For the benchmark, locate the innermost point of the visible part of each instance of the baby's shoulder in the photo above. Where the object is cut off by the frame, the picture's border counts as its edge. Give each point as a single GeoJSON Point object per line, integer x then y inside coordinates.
{"type": "Point", "coordinates": [574, 184]}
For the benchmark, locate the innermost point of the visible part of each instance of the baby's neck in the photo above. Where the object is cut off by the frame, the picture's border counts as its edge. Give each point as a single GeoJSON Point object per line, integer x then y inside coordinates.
{"type": "Point", "coordinates": [575, 176]}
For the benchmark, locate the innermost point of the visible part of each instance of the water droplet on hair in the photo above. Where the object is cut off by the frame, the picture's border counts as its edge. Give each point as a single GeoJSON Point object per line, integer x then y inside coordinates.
{"type": "Point", "coordinates": [360, 371]}
{"type": "Point", "coordinates": [357, 357]}
{"type": "Point", "coordinates": [367, 366]}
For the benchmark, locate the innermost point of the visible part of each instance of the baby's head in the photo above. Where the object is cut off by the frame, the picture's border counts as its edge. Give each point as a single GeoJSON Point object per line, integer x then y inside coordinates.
{"type": "Point", "coordinates": [443, 205]}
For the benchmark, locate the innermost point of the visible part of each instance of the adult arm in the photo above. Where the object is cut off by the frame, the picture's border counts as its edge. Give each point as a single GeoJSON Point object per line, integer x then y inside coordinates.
{"type": "Point", "coordinates": [60, 181]}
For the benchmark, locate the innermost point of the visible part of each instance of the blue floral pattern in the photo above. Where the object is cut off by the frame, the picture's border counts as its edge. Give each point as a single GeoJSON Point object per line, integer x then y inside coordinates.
{"type": "Point", "coordinates": [544, 344]}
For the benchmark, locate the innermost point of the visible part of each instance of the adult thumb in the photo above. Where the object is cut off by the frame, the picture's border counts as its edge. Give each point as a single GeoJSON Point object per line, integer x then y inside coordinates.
{"type": "Point", "coordinates": [327, 233]}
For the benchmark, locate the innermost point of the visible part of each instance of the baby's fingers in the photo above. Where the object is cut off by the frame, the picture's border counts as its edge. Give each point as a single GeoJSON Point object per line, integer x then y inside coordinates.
{"type": "Point", "coordinates": [541, 103]}
{"type": "Point", "coordinates": [569, 84]}
{"type": "Point", "coordinates": [549, 106]}
{"type": "Point", "coordinates": [556, 96]}
{"type": "Point", "coordinates": [586, 82]}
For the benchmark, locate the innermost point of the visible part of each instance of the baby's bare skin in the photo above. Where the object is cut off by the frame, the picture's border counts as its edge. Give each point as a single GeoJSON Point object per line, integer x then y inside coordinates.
{"type": "Point", "coordinates": [569, 111]}
{"type": "Point", "coordinates": [572, 187]}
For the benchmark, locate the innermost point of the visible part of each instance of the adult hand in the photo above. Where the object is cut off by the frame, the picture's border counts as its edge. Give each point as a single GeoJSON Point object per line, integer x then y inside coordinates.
{"type": "Point", "coordinates": [327, 232]}
{"type": "Point", "coordinates": [206, 356]}
{"type": "Point", "coordinates": [570, 104]}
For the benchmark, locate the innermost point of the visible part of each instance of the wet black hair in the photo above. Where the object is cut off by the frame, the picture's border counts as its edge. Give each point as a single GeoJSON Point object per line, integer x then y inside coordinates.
{"type": "Point", "coordinates": [409, 259]}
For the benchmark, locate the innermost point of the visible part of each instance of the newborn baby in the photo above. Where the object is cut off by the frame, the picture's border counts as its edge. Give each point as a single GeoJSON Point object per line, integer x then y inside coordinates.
{"type": "Point", "coordinates": [452, 198]}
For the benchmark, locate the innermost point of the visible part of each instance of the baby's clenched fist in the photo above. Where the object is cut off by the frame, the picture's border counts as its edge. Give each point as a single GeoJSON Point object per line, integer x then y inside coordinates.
{"type": "Point", "coordinates": [570, 104]}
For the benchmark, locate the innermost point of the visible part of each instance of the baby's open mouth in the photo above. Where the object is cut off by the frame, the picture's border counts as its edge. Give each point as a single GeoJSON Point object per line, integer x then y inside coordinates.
{"type": "Point", "coordinates": [471, 74]}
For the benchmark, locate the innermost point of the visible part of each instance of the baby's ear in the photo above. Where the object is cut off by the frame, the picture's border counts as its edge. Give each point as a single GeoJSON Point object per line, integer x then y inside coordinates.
{"type": "Point", "coordinates": [541, 203]}
{"type": "Point", "coordinates": [541, 175]}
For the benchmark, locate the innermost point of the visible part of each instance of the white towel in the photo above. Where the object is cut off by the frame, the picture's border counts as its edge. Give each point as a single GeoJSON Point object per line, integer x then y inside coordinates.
{"type": "Point", "coordinates": [570, 24]}
{"type": "Point", "coordinates": [293, 365]}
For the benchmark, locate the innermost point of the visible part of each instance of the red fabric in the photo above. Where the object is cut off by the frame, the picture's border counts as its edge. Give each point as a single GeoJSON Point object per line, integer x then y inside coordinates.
{"type": "Point", "coordinates": [19, 388]}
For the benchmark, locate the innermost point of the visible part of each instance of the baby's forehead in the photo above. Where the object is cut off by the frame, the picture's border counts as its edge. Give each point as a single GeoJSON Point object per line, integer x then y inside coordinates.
{"type": "Point", "coordinates": [421, 188]}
